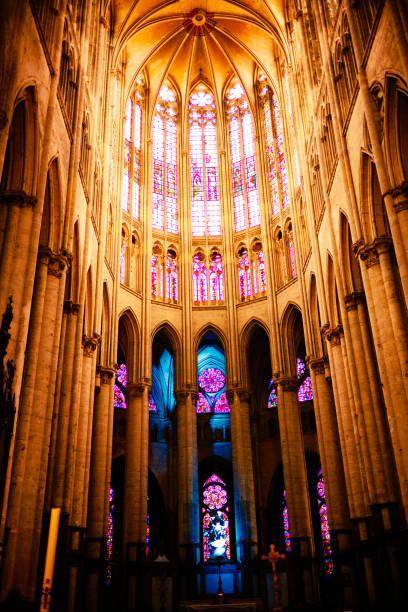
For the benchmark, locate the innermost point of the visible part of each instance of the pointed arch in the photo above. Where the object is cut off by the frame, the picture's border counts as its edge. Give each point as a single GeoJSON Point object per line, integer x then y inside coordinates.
{"type": "Point", "coordinates": [292, 334]}
{"type": "Point", "coordinates": [20, 162]}
{"type": "Point", "coordinates": [106, 334]}
{"type": "Point", "coordinates": [129, 342]}
{"type": "Point", "coordinates": [169, 337]}
{"type": "Point", "coordinates": [253, 328]}
{"type": "Point", "coordinates": [333, 300]}
{"type": "Point", "coordinates": [318, 345]}
{"type": "Point", "coordinates": [396, 128]}
{"type": "Point", "coordinates": [350, 265]}
{"type": "Point", "coordinates": [217, 331]}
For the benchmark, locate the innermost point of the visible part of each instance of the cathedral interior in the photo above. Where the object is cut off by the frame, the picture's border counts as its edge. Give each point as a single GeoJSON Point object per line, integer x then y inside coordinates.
{"type": "Point", "coordinates": [203, 305]}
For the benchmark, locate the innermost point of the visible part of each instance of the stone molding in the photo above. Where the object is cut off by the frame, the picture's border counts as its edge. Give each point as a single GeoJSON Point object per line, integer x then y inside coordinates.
{"type": "Point", "coordinates": [17, 198]}
{"type": "Point", "coordinates": [369, 252]}
{"type": "Point", "coordinates": [352, 300]}
{"type": "Point", "coordinates": [318, 365]}
{"type": "Point", "coordinates": [90, 343]}
{"type": "Point", "coordinates": [400, 194]}
{"type": "Point", "coordinates": [182, 394]}
{"type": "Point", "coordinates": [70, 307]}
{"type": "Point", "coordinates": [106, 374]}
{"type": "Point", "coordinates": [287, 383]}
{"type": "Point", "coordinates": [137, 388]}
{"type": "Point", "coordinates": [56, 261]}
{"type": "Point", "coordinates": [334, 335]}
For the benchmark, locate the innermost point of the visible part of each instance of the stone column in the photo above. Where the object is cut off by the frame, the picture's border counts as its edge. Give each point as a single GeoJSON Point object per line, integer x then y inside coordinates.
{"type": "Point", "coordinates": [26, 498]}
{"type": "Point", "coordinates": [244, 488]}
{"type": "Point", "coordinates": [187, 471]}
{"type": "Point", "coordinates": [136, 472]}
{"type": "Point", "coordinates": [98, 491]}
{"type": "Point", "coordinates": [297, 490]}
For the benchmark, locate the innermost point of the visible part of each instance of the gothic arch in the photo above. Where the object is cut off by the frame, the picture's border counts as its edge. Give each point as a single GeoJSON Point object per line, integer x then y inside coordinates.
{"type": "Point", "coordinates": [199, 336]}
{"type": "Point", "coordinates": [20, 162]}
{"type": "Point", "coordinates": [333, 301]}
{"type": "Point", "coordinates": [88, 304]}
{"type": "Point", "coordinates": [248, 335]}
{"type": "Point", "coordinates": [396, 128]}
{"type": "Point", "coordinates": [172, 342]}
{"type": "Point", "coordinates": [106, 340]}
{"type": "Point", "coordinates": [351, 270]}
{"type": "Point", "coordinates": [318, 346]}
{"type": "Point", "coordinates": [52, 217]}
{"type": "Point", "coordinates": [128, 340]}
{"type": "Point", "coordinates": [291, 331]}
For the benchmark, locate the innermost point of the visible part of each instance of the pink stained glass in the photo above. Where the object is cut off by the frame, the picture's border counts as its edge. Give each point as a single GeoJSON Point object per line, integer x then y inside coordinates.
{"type": "Point", "coordinates": [122, 261]}
{"type": "Point", "coordinates": [205, 204]}
{"type": "Point", "coordinates": [292, 257]}
{"type": "Point", "coordinates": [222, 404]}
{"type": "Point", "coordinates": [200, 281]}
{"type": "Point", "coordinates": [270, 156]}
{"type": "Point", "coordinates": [119, 400]}
{"type": "Point", "coordinates": [158, 173]}
{"type": "Point", "coordinates": [121, 374]}
{"type": "Point", "coordinates": [171, 279]}
{"type": "Point", "coordinates": [202, 405]}
{"type": "Point", "coordinates": [324, 527]}
{"type": "Point", "coordinates": [216, 280]}
{"type": "Point", "coordinates": [244, 276]}
{"type": "Point", "coordinates": [286, 526]}
{"type": "Point", "coordinates": [211, 380]}
{"type": "Point", "coordinates": [109, 537]}
{"type": "Point", "coordinates": [273, 396]}
{"type": "Point", "coordinates": [215, 497]}
{"type": "Point", "coordinates": [305, 391]}
{"type": "Point", "coordinates": [171, 176]}
{"type": "Point", "coordinates": [137, 137]}
{"type": "Point", "coordinates": [113, 141]}
{"type": "Point", "coordinates": [261, 270]}
{"type": "Point", "coordinates": [213, 478]}
{"type": "Point", "coordinates": [154, 276]}
{"type": "Point", "coordinates": [281, 153]}
{"type": "Point", "coordinates": [292, 129]}
{"type": "Point", "coordinates": [152, 405]}
{"type": "Point", "coordinates": [300, 367]}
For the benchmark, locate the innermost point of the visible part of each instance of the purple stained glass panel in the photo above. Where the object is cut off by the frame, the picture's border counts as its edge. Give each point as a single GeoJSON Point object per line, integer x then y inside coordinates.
{"type": "Point", "coordinates": [152, 405]}
{"type": "Point", "coordinates": [202, 405]}
{"type": "Point", "coordinates": [286, 526]}
{"type": "Point", "coordinates": [222, 404]}
{"type": "Point", "coordinates": [324, 527]}
{"type": "Point", "coordinates": [119, 400]}
{"type": "Point", "coordinates": [211, 380]}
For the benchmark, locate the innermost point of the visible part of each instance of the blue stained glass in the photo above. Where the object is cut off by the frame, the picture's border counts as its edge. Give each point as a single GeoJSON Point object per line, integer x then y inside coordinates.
{"type": "Point", "coordinates": [216, 529]}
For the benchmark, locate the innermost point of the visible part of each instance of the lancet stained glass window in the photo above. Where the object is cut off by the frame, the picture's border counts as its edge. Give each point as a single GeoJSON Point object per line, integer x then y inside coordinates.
{"type": "Point", "coordinates": [324, 526]}
{"type": "Point", "coordinates": [216, 274]}
{"type": "Point", "coordinates": [305, 391]}
{"type": "Point", "coordinates": [119, 398]}
{"type": "Point", "coordinates": [275, 148]}
{"type": "Point", "coordinates": [132, 133]}
{"type": "Point", "coordinates": [157, 275]}
{"type": "Point", "coordinates": [171, 277]}
{"type": "Point", "coordinates": [109, 537]}
{"type": "Point", "coordinates": [200, 279]}
{"type": "Point", "coordinates": [285, 519]}
{"type": "Point", "coordinates": [164, 189]}
{"type": "Point", "coordinates": [273, 395]}
{"type": "Point", "coordinates": [205, 199]}
{"type": "Point", "coordinates": [251, 272]}
{"type": "Point", "coordinates": [243, 163]}
{"type": "Point", "coordinates": [215, 520]}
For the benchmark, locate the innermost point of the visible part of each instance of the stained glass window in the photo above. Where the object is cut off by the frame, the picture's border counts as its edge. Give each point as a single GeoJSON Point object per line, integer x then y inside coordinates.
{"type": "Point", "coordinates": [243, 164]}
{"type": "Point", "coordinates": [211, 380]}
{"type": "Point", "coordinates": [119, 399]}
{"type": "Point", "coordinates": [205, 199]}
{"type": "Point", "coordinates": [305, 391]}
{"type": "Point", "coordinates": [109, 537]}
{"type": "Point", "coordinates": [273, 395]}
{"type": "Point", "coordinates": [251, 273]}
{"type": "Point", "coordinates": [148, 529]}
{"type": "Point", "coordinates": [222, 404]}
{"type": "Point", "coordinates": [202, 404]}
{"type": "Point", "coordinates": [216, 274]}
{"type": "Point", "coordinates": [132, 133]}
{"type": "Point", "coordinates": [164, 190]}
{"type": "Point", "coordinates": [324, 526]}
{"type": "Point", "coordinates": [113, 142]}
{"type": "Point", "coordinates": [275, 148]}
{"type": "Point", "coordinates": [122, 260]}
{"type": "Point", "coordinates": [152, 405]}
{"type": "Point", "coordinates": [157, 276]}
{"type": "Point", "coordinates": [200, 279]}
{"type": "Point", "coordinates": [215, 520]}
{"type": "Point", "coordinates": [285, 519]}
{"type": "Point", "coordinates": [171, 277]}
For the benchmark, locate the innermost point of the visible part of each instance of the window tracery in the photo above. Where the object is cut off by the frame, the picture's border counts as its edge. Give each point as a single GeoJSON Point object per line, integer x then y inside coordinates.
{"type": "Point", "coordinates": [171, 277]}
{"type": "Point", "coordinates": [157, 272]}
{"type": "Point", "coordinates": [305, 390]}
{"type": "Point", "coordinates": [131, 175]}
{"type": "Point", "coordinates": [345, 68]}
{"type": "Point", "coordinates": [164, 189]}
{"type": "Point", "coordinates": [243, 160]}
{"type": "Point", "coordinates": [275, 148]}
{"type": "Point", "coordinates": [215, 520]}
{"type": "Point", "coordinates": [68, 75]}
{"type": "Point", "coordinates": [119, 388]}
{"type": "Point", "coordinates": [205, 199]}
{"type": "Point", "coordinates": [251, 271]}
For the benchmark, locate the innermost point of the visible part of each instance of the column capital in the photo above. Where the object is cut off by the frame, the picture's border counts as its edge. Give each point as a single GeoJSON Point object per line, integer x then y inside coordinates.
{"type": "Point", "coordinates": [318, 365]}
{"type": "Point", "coordinates": [369, 252]}
{"type": "Point", "coordinates": [352, 300]}
{"type": "Point", "coordinates": [56, 261]}
{"type": "Point", "coordinates": [89, 343]}
{"type": "Point", "coordinates": [70, 307]}
{"type": "Point", "coordinates": [287, 383]}
{"type": "Point", "coordinates": [106, 374]}
{"type": "Point", "coordinates": [334, 335]}
{"type": "Point", "coordinates": [137, 388]}
{"type": "Point", "coordinates": [400, 195]}
{"type": "Point", "coordinates": [182, 394]}
{"type": "Point", "coordinates": [17, 198]}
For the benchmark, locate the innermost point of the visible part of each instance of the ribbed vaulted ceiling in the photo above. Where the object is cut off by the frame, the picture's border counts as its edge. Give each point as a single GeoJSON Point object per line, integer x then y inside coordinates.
{"type": "Point", "coordinates": [191, 40]}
